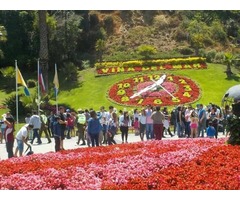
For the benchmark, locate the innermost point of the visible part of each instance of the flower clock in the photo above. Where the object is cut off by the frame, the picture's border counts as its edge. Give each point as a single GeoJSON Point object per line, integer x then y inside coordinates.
{"type": "Point", "coordinates": [182, 89]}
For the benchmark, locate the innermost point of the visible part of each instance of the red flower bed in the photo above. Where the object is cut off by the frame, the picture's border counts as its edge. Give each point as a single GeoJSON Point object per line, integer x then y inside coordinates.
{"type": "Point", "coordinates": [167, 164]}
{"type": "Point", "coordinates": [183, 89]}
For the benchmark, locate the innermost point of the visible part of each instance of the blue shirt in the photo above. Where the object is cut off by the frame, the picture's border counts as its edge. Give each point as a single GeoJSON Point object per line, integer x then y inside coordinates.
{"type": "Point", "coordinates": [94, 126]}
{"type": "Point", "coordinates": [211, 131]}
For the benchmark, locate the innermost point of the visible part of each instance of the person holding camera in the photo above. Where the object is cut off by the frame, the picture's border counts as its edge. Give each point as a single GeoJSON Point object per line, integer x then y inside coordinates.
{"type": "Point", "coordinates": [9, 135]}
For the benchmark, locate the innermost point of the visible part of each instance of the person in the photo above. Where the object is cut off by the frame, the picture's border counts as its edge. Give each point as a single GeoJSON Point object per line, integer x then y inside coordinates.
{"type": "Point", "coordinates": [27, 120]}
{"type": "Point", "coordinates": [94, 128]}
{"type": "Point", "coordinates": [21, 138]}
{"type": "Point", "coordinates": [44, 127]}
{"type": "Point", "coordinates": [81, 125]}
{"type": "Point", "coordinates": [210, 130]}
{"type": "Point", "coordinates": [9, 135]}
{"type": "Point", "coordinates": [57, 132]}
{"type": "Point", "coordinates": [136, 126]}
{"type": "Point", "coordinates": [194, 124]}
{"type": "Point", "coordinates": [124, 122]}
{"type": "Point", "coordinates": [142, 122]}
{"type": "Point", "coordinates": [36, 122]}
{"type": "Point", "coordinates": [166, 124]}
{"type": "Point", "coordinates": [112, 129]}
{"type": "Point", "coordinates": [202, 120]}
{"type": "Point", "coordinates": [70, 125]}
{"type": "Point", "coordinates": [103, 122]}
{"type": "Point", "coordinates": [149, 123]}
{"type": "Point", "coordinates": [214, 117]}
{"type": "Point", "coordinates": [157, 117]}
{"type": "Point", "coordinates": [63, 124]}
{"type": "Point", "coordinates": [180, 121]}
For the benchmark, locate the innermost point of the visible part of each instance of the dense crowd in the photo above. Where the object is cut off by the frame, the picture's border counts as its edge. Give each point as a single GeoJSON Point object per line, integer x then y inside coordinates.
{"type": "Point", "coordinates": [97, 128]}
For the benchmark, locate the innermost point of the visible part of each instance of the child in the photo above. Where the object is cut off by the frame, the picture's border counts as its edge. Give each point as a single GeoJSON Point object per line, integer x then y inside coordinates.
{"type": "Point", "coordinates": [210, 130]}
{"type": "Point", "coordinates": [194, 124]}
{"type": "Point", "coordinates": [136, 126]}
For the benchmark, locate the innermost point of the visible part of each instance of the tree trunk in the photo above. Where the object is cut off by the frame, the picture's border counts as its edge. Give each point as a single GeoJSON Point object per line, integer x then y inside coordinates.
{"type": "Point", "coordinates": [43, 52]}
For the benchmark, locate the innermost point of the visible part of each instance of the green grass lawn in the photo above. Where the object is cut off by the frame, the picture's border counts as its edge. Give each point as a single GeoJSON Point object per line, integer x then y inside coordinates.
{"type": "Point", "coordinates": [91, 91]}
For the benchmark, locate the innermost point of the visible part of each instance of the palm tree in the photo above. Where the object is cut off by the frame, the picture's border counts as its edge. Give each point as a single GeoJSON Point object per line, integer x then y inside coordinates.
{"type": "Point", "coordinates": [43, 52]}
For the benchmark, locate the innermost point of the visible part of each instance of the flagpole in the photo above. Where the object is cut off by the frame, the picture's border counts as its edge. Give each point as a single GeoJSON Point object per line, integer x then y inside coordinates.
{"type": "Point", "coordinates": [38, 90]}
{"type": "Point", "coordinates": [56, 92]}
{"type": "Point", "coordinates": [16, 95]}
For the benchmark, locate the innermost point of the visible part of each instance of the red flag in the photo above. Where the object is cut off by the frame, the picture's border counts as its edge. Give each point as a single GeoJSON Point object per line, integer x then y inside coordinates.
{"type": "Point", "coordinates": [41, 81]}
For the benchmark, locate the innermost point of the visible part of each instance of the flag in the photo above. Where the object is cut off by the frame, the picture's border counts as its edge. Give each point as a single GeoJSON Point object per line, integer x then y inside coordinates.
{"type": "Point", "coordinates": [56, 82]}
{"type": "Point", "coordinates": [41, 81]}
{"type": "Point", "coordinates": [21, 81]}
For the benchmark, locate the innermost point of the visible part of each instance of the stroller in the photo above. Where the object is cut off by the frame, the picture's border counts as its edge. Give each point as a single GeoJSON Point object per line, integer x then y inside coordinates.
{"type": "Point", "coordinates": [30, 152]}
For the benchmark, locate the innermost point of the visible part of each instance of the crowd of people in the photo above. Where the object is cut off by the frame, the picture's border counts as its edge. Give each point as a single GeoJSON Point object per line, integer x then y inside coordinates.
{"type": "Point", "coordinates": [97, 128]}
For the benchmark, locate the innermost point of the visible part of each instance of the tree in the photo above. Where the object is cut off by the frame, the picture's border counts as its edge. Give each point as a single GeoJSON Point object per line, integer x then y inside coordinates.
{"type": "Point", "coordinates": [3, 38]}
{"type": "Point", "coordinates": [100, 48]}
{"type": "Point", "coordinates": [229, 60]}
{"type": "Point", "coordinates": [43, 52]}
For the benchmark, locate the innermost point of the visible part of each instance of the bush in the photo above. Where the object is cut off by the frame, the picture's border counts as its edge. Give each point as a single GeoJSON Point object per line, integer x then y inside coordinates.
{"type": "Point", "coordinates": [210, 55]}
{"type": "Point", "coordinates": [160, 21]}
{"type": "Point", "coordinates": [10, 102]}
{"type": "Point", "coordinates": [186, 51]}
{"type": "Point", "coordinates": [180, 35]}
{"type": "Point", "coordinates": [31, 83]}
{"type": "Point", "coordinates": [108, 24]}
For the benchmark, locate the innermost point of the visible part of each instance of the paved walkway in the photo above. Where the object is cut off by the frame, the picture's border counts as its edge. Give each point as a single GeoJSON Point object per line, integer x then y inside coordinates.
{"type": "Point", "coordinates": [71, 144]}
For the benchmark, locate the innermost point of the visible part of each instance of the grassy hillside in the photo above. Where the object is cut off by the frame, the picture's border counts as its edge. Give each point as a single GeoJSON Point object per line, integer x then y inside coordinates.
{"type": "Point", "coordinates": [93, 90]}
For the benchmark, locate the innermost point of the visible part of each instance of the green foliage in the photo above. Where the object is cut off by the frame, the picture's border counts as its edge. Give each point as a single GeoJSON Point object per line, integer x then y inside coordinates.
{"type": "Point", "coordinates": [108, 24]}
{"type": "Point", "coordinates": [218, 33]}
{"type": "Point", "coordinates": [10, 102]}
{"type": "Point", "coordinates": [70, 73]}
{"type": "Point", "coordinates": [210, 55]}
{"type": "Point", "coordinates": [31, 83]}
{"type": "Point", "coordinates": [233, 127]}
{"type": "Point", "coordinates": [186, 50]}
{"type": "Point", "coordinates": [8, 72]}
{"type": "Point", "coordinates": [86, 64]}
{"type": "Point", "coordinates": [146, 51]}
{"type": "Point", "coordinates": [160, 21]}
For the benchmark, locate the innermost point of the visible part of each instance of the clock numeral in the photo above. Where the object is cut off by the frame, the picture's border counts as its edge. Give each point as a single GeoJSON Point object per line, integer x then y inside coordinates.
{"type": "Point", "coordinates": [157, 101]}
{"type": "Point", "coordinates": [140, 101]}
{"type": "Point", "coordinates": [121, 92]}
{"type": "Point", "coordinates": [176, 100]}
{"type": "Point", "coordinates": [138, 80]}
{"type": "Point", "coordinates": [186, 94]}
{"type": "Point", "coordinates": [187, 88]}
{"type": "Point", "coordinates": [124, 99]}
{"type": "Point", "coordinates": [123, 85]}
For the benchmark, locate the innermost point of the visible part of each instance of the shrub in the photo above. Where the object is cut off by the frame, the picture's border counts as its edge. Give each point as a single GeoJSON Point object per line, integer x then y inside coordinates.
{"type": "Point", "coordinates": [210, 55]}
{"type": "Point", "coordinates": [10, 102]}
{"type": "Point", "coordinates": [186, 51]}
{"type": "Point", "coordinates": [31, 83]}
{"type": "Point", "coordinates": [180, 35]}
{"type": "Point", "coordinates": [160, 21]}
{"type": "Point", "coordinates": [108, 24]}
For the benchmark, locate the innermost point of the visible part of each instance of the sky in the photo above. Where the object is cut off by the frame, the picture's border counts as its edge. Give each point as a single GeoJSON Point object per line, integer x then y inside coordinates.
{"type": "Point", "coordinates": [119, 5]}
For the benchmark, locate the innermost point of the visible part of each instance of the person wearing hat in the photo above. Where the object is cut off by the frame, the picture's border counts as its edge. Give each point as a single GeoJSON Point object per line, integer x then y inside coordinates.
{"type": "Point", "coordinates": [21, 137]}
{"type": "Point", "coordinates": [9, 135]}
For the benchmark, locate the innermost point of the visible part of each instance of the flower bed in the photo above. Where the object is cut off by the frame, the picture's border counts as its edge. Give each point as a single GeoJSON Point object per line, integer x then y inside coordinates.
{"type": "Point", "coordinates": [167, 164]}
{"type": "Point", "coordinates": [182, 88]}
{"type": "Point", "coordinates": [117, 70]}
